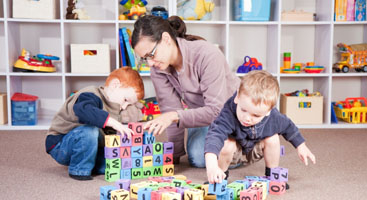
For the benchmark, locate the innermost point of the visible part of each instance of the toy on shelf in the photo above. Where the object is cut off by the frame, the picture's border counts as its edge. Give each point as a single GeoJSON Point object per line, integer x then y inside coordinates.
{"type": "Point", "coordinates": [297, 15]}
{"type": "Point", "coordinates": [39, 63]}
{"type": "Point", "coordinates": [144, 68]}
{"type": "Point", "coordinates": [311, 68]}
{"type": "Point", "coordinates": [249, 65]}
{"type": "Point", "coordinates": [151, 109]}
{"type": "Point", "coordinates": [251, 10]}
{"type": "Point", "coordinates": [160, 11]}
{"type": "Point", "coordinates": [135, 9]}
{"type": "Point", "coordinates": [195, 9]}
{"type": "Point", "coordinates": [75, 10]}
{"type": "Point", "coordinates": [352, 56]}
{"type": "Point", "coordinates": [287, 64]}
{"type": "Point", "coordinates": [352, 110]}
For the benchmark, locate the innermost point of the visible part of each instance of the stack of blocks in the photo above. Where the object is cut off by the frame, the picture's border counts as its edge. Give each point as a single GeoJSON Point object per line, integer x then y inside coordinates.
{"type": "Point", "coordinates": [178, 187]}
{"type": "Point", "coordinates": [137, 157]}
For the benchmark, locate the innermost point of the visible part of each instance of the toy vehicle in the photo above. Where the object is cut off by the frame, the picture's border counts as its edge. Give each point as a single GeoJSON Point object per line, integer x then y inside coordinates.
{"type": "Point", "coordinates": [136, 8]}
{"type": "Point", "coordinates": [39, 63]}
{"type": "Point", "coordinates": [352, 56]}
{"type": "Point", "coordinates": [249, 65]}
{"type": "Point", "coordinates": [151, 109]}
{"type": "Point", "coordinates": [160, 11]}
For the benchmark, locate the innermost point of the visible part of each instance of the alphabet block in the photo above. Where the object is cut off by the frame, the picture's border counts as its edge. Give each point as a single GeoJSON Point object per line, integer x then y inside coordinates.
{"type": "Point", "coordinates": [126, 163]}
{"type": "Point", "coordinates": [112, 175]}
{"type": "Point", "coordinates": [168, 189]}
{"type": "Point", "coordinates": [156, 195]}
{"type": "Point", "coordinates": [194, 185]}
{"type": "Point", "coordinates": [276, 187]}
{"type": "Point", "coordinates": [167, 159]}
{"type": "Point", "coordinates": [134, 189]}
{"type": "Point", "coordinates": [147, 150]}
{"type": "Point", "coordinates": [246, 183]}
{"type": "Point", "coordinates": [180, 177]}
{"type": "Point", "coordinates": [157, 148]}
{"type": "Point", "coordinates": [193, 194]}
{"type": "Point", "coordinates": [123, 184]}
{"type": "Point", "coordinates": [125, 141]}
{"type": "Point", "coordinates": [136, 173]}
{"type": "Point", "coordinates": [120, 194]}
{"type": "Point", "coordinates": [137, 162]}
{"type": "Point", "coordinates": [112, 140]}
{"type": "Point", "coordinates": [137, 151]}
{"type": "Point", "coordinates": [144, 193]}
{"type": "Point", "coordinates": [168, 148]}
{"type": "Point", "coordinates": [111, 152]}
{"type": "Point", "coordinates": [248, 195]}
{"type": "Point", "coordinates": [157, 171]}
{"type": "Point", "coordinates": [137, 127]}
{"type": "Point", "coordinates": [168, 170]}
{"type": "Point", "coordinates": [148, 138]}
{"type": "Point", "coordinates": [125, 152]}
{"type": "Point", "coordinates": [125, 174]}
{"type": "Point", "coordinates": [113, 164]}
{"type": "Point", "coordinates": [229, 194]}
{"type": "Point", "coordinates": [147, 161]}
{"type": "Point", "coordinates": [237, 188]}
{"type": "Point", "coordinates": [137, 140]}
{"type": "Point", "coordinates": [158, 160]}
{"type": "Point", "coordinates": [105, 192]}
{"type": "Point", "coordinates": [259, 191]}
{"type": "Point", "coordinates": [279, 174]}
{"type": "Point", "coordinates": [156, 179]}
{"type": "Point", "coordinates": [282, 150]}
{"type": "Point", "coordinates": [263, 187]}
{"type": "Point", "coordinates": [171, 196]}
{"type": "Point", "coordinates": [218, 188]}
{"type": "Point", "coordinates": [147, 172]}
{"type": "Point", "coordinates": [178, 183]}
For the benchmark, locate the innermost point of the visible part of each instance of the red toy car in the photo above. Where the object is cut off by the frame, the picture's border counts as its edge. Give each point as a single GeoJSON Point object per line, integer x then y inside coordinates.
{"type": "Point", "coordinates": [249, 65]}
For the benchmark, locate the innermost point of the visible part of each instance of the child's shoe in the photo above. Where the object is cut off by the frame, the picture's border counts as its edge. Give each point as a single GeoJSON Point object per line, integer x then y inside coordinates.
{"type": "Point", "coordinates": [80, 177]}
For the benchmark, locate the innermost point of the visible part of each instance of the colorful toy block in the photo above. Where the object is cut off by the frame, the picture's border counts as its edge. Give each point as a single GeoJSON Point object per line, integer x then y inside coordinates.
{"type": "Point", "coordinates": [126, 163]}
{"type": "Point", "coordinates": [171, 196]}
{"type": "Point", "coordinates": [156, 195]}
{"type": "Point", "coordinates": [168, 147]}
{"type": "Point", "coordinates": [259, 191]}
{"type": "Point", "coordinates": [125, 141]}
{"type": "Point", "coordinates": [157, 171]}
{"type": "Point", "coordinates": [147, 150]}
{"type": "Point", "coordinates": [167, 159]}
{"type": "Point", "coordinates": [125, 152]}
{"type": "Point", "coordinates": [168, 170]}
{"type": "Point", "coordinates": [137, 151]}
{"type": "Point", "coordinates": [111, 175]}
{"type": "Point", "coordinates": [136, 127]}
{"type": "Point", "coordinates": [125, 174]}
{"type": "Point", "coordinates": [105, 192]}
{"type": "Point", "coordinates": [157, 160]}
{"type": "Point", "coordinates": [144, 193]}
{"type": "Point", "coordinates": [178, 183]}
{"type": "Point", "coordinates": [147, 172]}
{"type": "Point", "coordinates": [137, 140]}
{"type": "Point", "coordinates": [148, 138]}
{"type": "Point", "coordinates": [111, 152]}
{"type": "Point", "coordinates": [237, 188]}
{"type": "Point", "coordinates": [246, 183]}
{"type": "Point", "coordinates": [263, 187]}
{"type": "Point", "coordinates": [120, 194]}
{"type": "Point", "coordinates": [112, 141]}
{"type": "Point", "coordinates": [279, 174]}
{"type": "Point", "coordinates": [218, 188]}
{"type": "Point", "coordinates": [158, 148]}
{"type": "Point", "coordinates": [148, 161]}
{"type": "Point", "coordinates": [123, 184]}
{"type": "Point", "coordinates": [276, 187]}
{"type": "Point", "coordinates": [282, 150]}
{"type": "Point", "coordinates": [113, 164]}
{"type": "Point", "coordinates": [249, 195]}
{"type": "Point", "coordinates": [193, 194]}
{"type": "Point", "coordinates": [136, 173]}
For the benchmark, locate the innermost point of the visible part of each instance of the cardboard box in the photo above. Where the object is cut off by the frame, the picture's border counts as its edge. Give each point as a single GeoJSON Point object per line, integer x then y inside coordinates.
{"type": "Point", "coordinates": [32, 9]}
{"type": "Point", "coordinates": [90, 58]}
{"type": "Point", "coordinates": [302, 110]}
{"type": "Point", "coordinates": [3, 109]}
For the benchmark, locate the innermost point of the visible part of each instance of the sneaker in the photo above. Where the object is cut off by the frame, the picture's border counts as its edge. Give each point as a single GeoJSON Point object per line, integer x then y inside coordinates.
{"type": "Point", "coordinates": [80, 177]}
{"type": "Point", "coordinates": [286, 186]}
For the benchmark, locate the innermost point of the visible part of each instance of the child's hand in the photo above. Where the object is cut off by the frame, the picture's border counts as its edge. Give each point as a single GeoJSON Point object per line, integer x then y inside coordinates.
{"type": "Point", "coordinates": [119, 127]}
{"type": "Point", "coordinates": [214, 173]}
{"type": "Point", "coordinates": [304, 153]}
{"type": "Point", "coordinates": [157, 126]}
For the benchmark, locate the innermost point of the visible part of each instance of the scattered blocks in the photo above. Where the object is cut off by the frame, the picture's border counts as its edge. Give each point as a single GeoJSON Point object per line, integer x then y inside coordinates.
{"type": "Point", "coordinates": [120, 194]}
{"type": "Point", "coordinates": [279, 174]}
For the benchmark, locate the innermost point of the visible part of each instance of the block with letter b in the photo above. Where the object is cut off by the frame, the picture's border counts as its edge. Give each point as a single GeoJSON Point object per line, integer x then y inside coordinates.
{"type": "Point", "coordinates": [279, 174]}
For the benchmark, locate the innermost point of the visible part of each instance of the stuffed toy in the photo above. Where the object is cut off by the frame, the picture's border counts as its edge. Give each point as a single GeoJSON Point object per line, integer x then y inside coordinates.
{"type": "Point", "coordinates": [75, 10]}
{"type": "Point", "coordinates": [195, 9]}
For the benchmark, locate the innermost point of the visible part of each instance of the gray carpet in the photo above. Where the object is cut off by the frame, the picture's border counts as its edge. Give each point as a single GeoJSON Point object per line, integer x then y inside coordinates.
{"type": "Point", "coordinates": [27, 172]}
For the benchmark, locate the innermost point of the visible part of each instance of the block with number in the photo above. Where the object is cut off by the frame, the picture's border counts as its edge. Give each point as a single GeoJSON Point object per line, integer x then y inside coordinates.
{"type": "Point", "coordinates": [260, 192]}
{"type": "Point", "coordinates": [157, 148]}
{"type": "Point", "coordinates": [147, 161]}
{"type": "Point", "coordinates": [123, 184]}
{"type": "Point", "coordinates": [249, 194]}
{"type": "Point", "coordinates": [137, 163]}
{"type": "Point", "coordinates": [167, 159]}
{"type": "Point", "coordinates": [112, 140]}
{"type": "Point", "coordinates": [136, 173]}
{"type": "Point", "coordinates": [144, 193]}
{"type": "Point", "coordinates": [279, 174]}
{"type": "Point", "coordinates": [147, 172]}
{"type": "Point", "coordinates": [168, 147]}
{"type": "Point", "coordinates": [158, 160]}
{"type": "Point", "coordinates": [276, 187]}
{"type": "Point", "coordinates": [105, 192]}
{"type": "Point", "coordinates": [120, 194]}
{"type": "Point", "coordinates": [218, 188]}
{"type": "Point", "coordinates": [168, 170]}
{"type": "Point", "coordinates": [263, 187]}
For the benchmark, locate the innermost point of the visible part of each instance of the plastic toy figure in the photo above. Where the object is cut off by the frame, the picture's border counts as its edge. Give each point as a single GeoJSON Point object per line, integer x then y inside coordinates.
{"type": "Point", "coordinates": [39, 63]}
{"type": "Point", "coordinates": [160, 11]}
{"type": "Point", "coordinates": [195, 9]}
{"type": "Point", "coordinates": [136, 8]}
{"type": "Point", "coordinates": [249, 65]}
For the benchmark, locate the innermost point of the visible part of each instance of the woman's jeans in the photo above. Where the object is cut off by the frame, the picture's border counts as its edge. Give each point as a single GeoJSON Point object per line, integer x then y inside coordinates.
{"type": "Point", "coordinates": [79, 150]}
{"type": "Point", "coordinates": [195, 146]}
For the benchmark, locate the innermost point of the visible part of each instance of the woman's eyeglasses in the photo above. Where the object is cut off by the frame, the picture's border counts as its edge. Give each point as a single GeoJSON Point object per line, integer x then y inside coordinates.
{"type": "Point", "coordinates": [150, 55]}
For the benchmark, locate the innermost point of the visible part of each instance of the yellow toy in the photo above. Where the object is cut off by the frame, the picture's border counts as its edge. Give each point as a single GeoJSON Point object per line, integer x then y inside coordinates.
{"type": "Point", "coordinates": [39, 63]}
{"type": "Point", "coordinates": [195, 9]}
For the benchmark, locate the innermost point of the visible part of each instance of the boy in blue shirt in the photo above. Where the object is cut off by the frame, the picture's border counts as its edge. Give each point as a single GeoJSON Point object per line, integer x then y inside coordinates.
{"type": "Point", "coordinates": [248, 127]}
{"type": "Point", "coordinates": [76, 134]}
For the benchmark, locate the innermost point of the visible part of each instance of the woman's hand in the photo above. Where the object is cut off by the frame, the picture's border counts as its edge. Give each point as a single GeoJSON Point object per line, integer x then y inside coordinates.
{"type": "Point", "coordinates": [119, 127]}
{"type": "Point", "coordinates": [304, 154]}
{"type": "Point", "coordinates": [157, 126]}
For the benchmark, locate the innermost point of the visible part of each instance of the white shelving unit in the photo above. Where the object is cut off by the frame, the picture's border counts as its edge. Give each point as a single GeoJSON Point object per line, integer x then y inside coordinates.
{"type": "Point", "coordinates": [307, 41]}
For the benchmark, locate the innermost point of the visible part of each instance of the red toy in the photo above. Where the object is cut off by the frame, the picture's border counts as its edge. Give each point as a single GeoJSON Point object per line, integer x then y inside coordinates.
{"type": "Point", "coordinates": [151, 109]}
{"type": "Point", "coordinates": [249, 65]}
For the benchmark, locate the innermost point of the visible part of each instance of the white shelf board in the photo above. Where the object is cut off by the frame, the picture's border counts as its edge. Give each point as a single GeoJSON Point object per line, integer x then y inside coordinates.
{"type": "Point", "coordinates": [34, 74]}
{"type": "Point", "coordinates": [89, 21]}
{"type": "Point", "coordinates": [34, 20]}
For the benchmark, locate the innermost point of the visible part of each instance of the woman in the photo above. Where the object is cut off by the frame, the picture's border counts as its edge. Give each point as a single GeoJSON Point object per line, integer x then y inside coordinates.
{"type": "Point", "coordinates": [192, 81]}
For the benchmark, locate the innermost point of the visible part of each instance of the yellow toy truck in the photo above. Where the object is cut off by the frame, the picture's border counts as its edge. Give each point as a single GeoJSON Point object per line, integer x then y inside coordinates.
{"type": "Point", "coordinates": [352, 56]}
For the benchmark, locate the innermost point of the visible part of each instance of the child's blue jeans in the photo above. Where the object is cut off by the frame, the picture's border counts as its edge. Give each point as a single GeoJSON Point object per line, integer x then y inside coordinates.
{"type": "Point", "coordinates": [78, 149]}
{"type": "Point", "coordinates": [195, 146]}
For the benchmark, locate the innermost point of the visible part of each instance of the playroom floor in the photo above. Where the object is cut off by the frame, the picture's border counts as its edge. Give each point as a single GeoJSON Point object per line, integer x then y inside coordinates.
{"type": "Point", "coordinates": [27, 172]}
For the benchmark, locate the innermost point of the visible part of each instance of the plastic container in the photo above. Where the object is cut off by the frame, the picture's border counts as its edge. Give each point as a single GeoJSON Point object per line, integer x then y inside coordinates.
{"type": "Point", "coordinates": [251, 10]}
{"type": "Point", "coordinates": [24, 109]}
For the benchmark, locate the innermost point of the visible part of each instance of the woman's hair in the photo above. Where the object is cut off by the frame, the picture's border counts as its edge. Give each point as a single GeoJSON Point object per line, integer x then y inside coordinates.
{"type": "Point", "coordinates": [128, 78]}
{"type": "Point", "coordinates": [153, 26]}
{"type": "Point", "coordinates": [261, 87]}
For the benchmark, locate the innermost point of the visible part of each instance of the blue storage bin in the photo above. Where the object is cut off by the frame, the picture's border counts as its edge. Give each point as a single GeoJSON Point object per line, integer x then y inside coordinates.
{"type": "Point", "coordinates": [23, 109]}
{"type": "Point", "coordinates": [251, 10]}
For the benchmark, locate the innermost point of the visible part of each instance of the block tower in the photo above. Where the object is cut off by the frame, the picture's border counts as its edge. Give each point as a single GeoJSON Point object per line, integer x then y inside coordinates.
{"type": "Point", "coordinates": [137, 157]}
